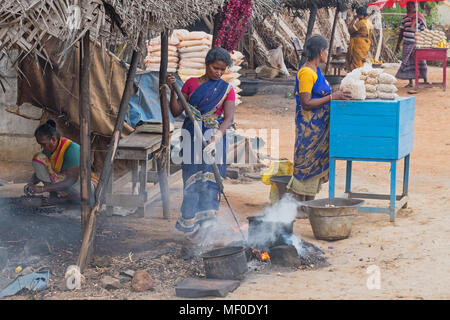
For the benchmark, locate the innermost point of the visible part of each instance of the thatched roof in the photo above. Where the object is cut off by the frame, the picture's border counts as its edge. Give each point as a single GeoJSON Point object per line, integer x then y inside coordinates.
{"type": "Point", "coordinates": [308, 4]}
{"type": "Point", "coordinates": [28, 24]}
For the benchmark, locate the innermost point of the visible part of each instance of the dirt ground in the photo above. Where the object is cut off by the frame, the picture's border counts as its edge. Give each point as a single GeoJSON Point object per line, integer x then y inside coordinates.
{"type": "Point", "coordinates": [411, 254]}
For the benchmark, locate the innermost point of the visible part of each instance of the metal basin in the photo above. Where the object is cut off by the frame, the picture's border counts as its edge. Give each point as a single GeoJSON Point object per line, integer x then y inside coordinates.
{"type": "Point", "coordinates": [331, 219]}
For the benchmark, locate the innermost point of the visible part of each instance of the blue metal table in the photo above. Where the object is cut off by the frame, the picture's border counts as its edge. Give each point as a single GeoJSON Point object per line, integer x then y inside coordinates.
{"type": "Point", "coordinates": [376, 131]}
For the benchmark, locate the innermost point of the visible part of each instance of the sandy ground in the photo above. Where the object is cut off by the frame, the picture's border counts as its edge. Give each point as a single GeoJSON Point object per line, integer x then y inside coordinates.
{"type": "Point", "coordinates": [411, 255]}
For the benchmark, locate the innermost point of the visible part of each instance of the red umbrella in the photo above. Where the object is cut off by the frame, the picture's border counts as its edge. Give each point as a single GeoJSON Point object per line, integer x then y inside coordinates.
{"type": "Point", "coordinates": [381, 4]}
{"type": "Point", "coordinates": [390, 3]}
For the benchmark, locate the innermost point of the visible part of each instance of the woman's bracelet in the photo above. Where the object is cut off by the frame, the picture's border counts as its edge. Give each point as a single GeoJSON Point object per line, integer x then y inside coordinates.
{"type": "Point", "coordinates": [331, 97]}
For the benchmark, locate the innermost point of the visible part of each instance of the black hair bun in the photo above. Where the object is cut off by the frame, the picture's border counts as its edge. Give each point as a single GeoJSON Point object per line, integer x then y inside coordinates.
{"type": "Point", "coordinates": [51, 123]}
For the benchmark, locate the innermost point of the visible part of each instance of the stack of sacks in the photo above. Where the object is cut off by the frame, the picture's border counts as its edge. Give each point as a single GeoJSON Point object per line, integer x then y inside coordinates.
{"type": "Point", "coordinates": [232, 74]}
{"type": "Point", "coordinates": [370, 78]}
{"type": "Point", "coordinates": [386, 86]}
{"type": "Point", "coordinates": [429, 38]}
{"type": "Point", "coordinates": [193, 48]}
{"type": "Point", "coordinates": [379, 84]}
{"type": "Point", "coordinates": [153, 59]}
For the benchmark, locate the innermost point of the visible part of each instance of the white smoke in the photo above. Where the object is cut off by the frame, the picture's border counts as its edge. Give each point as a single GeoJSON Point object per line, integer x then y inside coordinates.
{"type": "Point", "coordinates": [284, 212]}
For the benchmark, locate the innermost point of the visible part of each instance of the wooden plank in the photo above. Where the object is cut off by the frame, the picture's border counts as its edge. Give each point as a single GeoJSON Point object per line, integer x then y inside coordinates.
{"type": "Point", "coordinates": [362, 147]}
{"type": "Point", "coordinates": [132, 154]}
{"type": "Point", "coordinates": [361, 130]}
{"type": "Point", "coordinates": [140, 140]}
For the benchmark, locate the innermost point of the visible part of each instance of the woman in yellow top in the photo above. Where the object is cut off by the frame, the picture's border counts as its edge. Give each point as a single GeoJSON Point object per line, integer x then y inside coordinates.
{"type": "Point", "coordinates": [360, 35]}
{"type": "Point", "coordinates": [313, 95]}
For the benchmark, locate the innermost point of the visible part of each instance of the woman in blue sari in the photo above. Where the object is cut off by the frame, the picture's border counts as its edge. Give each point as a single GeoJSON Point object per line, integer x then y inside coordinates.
{"type": "Point", "coordinates": [313, 95]}
{"type": "Point", "coordinates": [212, 102]}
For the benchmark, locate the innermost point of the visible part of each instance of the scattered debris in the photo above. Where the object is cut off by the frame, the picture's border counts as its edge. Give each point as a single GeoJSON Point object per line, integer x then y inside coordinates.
{"type": "Point", "coordinates": [111, 283]}
{"type": "Point", "coordinates": [128, 273]}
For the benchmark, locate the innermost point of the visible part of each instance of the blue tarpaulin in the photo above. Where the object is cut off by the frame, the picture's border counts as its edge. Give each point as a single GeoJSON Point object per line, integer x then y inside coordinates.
{"type": "Point", "coordinates": [145, 104]}
{"type": "Point", "coordinates": [36, 281]}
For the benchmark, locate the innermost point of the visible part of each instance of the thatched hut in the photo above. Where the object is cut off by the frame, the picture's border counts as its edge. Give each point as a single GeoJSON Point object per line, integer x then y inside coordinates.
{"type": "Point", "coordinates": [53, 34]}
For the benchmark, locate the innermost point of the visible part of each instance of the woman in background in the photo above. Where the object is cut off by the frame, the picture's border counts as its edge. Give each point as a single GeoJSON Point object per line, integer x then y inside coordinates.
{"type": "Point", "coordinates": [360, 30]}
{"type": "Point", "coordinates": [410, 24]}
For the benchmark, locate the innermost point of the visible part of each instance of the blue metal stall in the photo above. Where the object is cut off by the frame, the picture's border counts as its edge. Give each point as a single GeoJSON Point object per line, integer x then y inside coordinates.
{"type": "Point", "coordinates": [372, 130]}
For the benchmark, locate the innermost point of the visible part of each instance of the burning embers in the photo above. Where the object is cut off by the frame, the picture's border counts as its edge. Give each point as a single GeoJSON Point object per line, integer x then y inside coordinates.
{"type": "Point", "coordinates": [259, 255]}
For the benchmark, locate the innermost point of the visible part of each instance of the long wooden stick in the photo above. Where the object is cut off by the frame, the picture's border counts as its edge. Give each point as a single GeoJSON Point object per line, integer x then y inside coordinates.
{"type": "Point", "coordinates": [85, 134]}
{"type": "Point", "coordinates": [333, 32]}
{"type": "Point", "coordinates": [311, 22]}
{"type": "Point", "coordinates": [162, 163]}
{"type": "Point", "coordinates": [88, 235]}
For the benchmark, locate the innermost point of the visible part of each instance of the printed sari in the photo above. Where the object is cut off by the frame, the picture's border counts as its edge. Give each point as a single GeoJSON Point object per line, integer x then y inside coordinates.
{"type": "Point", "coordinates": [201, 196]}
{"type": "Point", "coordinates": [48, 169]}
{"type": "Point", "coordinates": [359, 47]}
{"type": "Point", "coordinates": [311, 159]}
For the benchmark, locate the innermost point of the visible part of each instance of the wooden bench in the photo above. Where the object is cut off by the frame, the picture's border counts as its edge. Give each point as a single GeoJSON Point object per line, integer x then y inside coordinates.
{"type": "Point", "coordinates": [139, 148]}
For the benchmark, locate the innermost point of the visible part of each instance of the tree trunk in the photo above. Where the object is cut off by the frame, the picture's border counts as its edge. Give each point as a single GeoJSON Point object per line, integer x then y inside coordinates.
{"type": "Point", "coordinates": [162, 162]}
{"type": "Point", "coordinates": [311, 22]}
{"type": "Point", "coordinates": [330, 48]}
{"type": "Point", "coordinates": [88, 235]}
{"type": "Point", "coordinates": [85, 133]}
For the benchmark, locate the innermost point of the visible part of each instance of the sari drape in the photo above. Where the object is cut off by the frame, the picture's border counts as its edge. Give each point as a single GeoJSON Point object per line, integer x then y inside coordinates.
{"type": "Point", "coordinates": [201, 197]}
{"type": "Point", "coordinates": [311, 159]}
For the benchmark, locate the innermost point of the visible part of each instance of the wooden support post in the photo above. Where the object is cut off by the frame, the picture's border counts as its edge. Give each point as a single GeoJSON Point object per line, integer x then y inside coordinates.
{"type": "Point", "coordinates": [216, 23]}
{"type": "Point", "coordinates": [89, 233]}
{"type": "Point", "coordinates": [251, 48]}
{"type": "Point", "coordinates": [164, 154]}
{"type": "Point", "coordinates": [333, 32]}
{"type": "Point", "coordinates": [85, 133]}
{"type": "Point", "coordinates": [311, 22]}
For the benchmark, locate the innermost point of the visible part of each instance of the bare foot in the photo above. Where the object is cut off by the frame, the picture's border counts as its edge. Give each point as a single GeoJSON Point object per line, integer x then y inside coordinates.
{"type": "Point", "coordinates": [409, 85]}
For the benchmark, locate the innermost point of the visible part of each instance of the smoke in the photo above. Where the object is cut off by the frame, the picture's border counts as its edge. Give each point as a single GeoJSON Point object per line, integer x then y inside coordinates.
{"type": "Point", "coordinates": [283, 211]}
{"type": "Point", "coordinates": [276, 227]}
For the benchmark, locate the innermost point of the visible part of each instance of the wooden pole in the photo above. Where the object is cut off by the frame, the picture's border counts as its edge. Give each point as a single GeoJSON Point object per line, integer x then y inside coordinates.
{"type": "Point", "coordinates": [333, 32]}
{"type": "Point", "coordinates": [162, 162]}
{"type": "Point", "coordinates": [88, 235]}
{"type": "Point", "coordinates": [311, 22]}
{"type": "Point", "coordinates": [251, 48]}
{"type": "Point", "coordinates": [85, 133]}
{"type": "Point", "coordinates": [216, 23]}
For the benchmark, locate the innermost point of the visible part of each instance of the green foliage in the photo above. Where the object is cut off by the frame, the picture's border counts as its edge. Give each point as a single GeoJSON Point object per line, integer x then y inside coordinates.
{"type": "Point", "coordinates": [393, 19]}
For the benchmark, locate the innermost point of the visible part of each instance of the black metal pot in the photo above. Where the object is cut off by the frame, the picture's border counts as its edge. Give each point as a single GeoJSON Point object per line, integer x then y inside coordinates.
{"type": "Point", "coordinates": [264, 234]}
{"type": "Point", "coordinates": [249, 86]}
{"type": "Point", "coordinates": [229, 263]}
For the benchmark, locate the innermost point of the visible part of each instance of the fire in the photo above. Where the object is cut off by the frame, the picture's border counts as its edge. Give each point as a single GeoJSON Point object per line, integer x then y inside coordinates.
{"type": "Point", "coordinates": [262, 256]}
{"type": "Point", "coordinates": [265, 256]}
